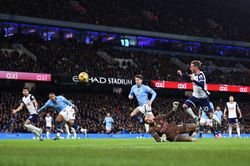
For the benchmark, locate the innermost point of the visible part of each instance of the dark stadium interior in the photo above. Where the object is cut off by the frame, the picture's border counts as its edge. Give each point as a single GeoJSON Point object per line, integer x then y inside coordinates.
{"type": "Point", "coordinates": [124, 82]}
{"type": "Point", "coordinates": [192, 17]}
{"type": "Point", "coordinates": [63, 58]}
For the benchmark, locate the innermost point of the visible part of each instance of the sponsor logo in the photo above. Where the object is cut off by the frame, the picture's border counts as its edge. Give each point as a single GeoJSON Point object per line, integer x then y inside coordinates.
{"type": "Point", "coordinates": [182, 86]}
{"type": "Point", "coordinates": [223, 88]}
{"type": "Point", "coordinates": [103, 80]}
{"type": "Point", "coordinates": [242, 89]}
{"type": "Point", "coordinates": [41, 77]}
{"type": "Point", "coordinates": [75, 79]}
{"type": "Point", "coordinates": [11, 75]}
{"type": "Point", "coordinates": [159, 85]}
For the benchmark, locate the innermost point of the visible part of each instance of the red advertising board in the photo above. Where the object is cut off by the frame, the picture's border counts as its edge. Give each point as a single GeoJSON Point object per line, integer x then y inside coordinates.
{"type": "Point", "coordinates": [189, 86]}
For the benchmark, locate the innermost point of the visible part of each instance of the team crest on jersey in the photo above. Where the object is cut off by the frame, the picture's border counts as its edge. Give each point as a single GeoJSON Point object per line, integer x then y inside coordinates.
{"type": "Point", "coordinates": [200, 77]}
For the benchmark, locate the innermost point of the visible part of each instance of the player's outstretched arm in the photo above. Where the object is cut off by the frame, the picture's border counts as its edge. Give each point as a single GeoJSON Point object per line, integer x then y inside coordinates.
{"type": "Point", "coordinates": [183, 75]}
{"type": "Point", "coordinates": [153, 93]}
{"type": "Point", "coordinates": [33, 99]}
{"type": "Point", "coordinates": [179, 72]}
{"type": "Point", "coordinates": [198, 83]}
{"type": "Point", "coordinates": [131, 94]}
{"type": "Point", "coordinates": [36, 104]}
{"type": "Point", "coordinates": [225, 113]}
{"type": "Point", "coordinates": [18, 109]}
{"type": "Point", "coordinates": [46, 105]}
{"type": "Point", "coordinates": [239, 111]}
{"type": "Point", "coordinates": [41, 109]}
{"type": "Point", "coordinates": [171, 113]}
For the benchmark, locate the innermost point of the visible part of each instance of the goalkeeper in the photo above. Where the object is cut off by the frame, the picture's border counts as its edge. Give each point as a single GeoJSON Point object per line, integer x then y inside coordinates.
{"type": "Point", "coordinates": [174, 133]}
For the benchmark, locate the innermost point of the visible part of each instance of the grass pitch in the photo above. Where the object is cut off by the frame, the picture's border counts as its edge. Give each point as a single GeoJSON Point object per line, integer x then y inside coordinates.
{"type": "Point", "coordinates": [125, 152]}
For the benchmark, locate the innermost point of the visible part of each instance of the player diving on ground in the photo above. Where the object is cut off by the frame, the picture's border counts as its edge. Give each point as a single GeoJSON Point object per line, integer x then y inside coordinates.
{"type": "Point", "coordinates": [174, 133]}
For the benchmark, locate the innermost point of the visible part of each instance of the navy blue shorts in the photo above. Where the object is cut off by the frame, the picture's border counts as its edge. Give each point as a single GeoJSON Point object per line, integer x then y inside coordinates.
{"type": "Point", "coordinates": [232, 120]}
{"type": "Point", "coordinates": [48, 128]}
{"type": "Point", "coordinates": [195, 102]}
{"type": "Point", "coordinates": [33, 118]}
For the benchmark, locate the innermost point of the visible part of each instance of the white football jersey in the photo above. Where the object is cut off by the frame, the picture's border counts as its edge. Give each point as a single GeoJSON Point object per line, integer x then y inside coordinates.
{"type": "Point", "coordinates": [28, 101]}
{"type": "Point", "coordinates": [232, 108]}
{"type": "Point", "coordinates": [48, 121]}
{"type": "Point", "coordinates": [198, 91]}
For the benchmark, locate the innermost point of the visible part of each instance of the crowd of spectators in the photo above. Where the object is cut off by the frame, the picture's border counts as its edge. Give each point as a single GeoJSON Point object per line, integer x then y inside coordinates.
{"type": "Point", "coordinates": [93, 108]}
{"type": "Point", "coordinates": [160, 66]}
{"type": "Point", "coordinates": [193, 17]}
{"type": "Point", "coordinates": [216, 19]}
{"type": "Point", "coordinates": [70, 58]}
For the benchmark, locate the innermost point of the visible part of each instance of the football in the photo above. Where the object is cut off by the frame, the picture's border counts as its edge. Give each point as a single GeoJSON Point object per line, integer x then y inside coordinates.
{"type": "Point", "coordinates": [83, 77]}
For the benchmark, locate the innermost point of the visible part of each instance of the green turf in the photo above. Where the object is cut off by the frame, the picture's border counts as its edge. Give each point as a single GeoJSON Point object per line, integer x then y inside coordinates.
{"type": "Point", "coordinates": [125, 152]}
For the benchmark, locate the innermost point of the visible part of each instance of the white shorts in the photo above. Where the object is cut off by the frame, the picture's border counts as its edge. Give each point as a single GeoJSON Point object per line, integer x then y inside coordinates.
{"type": "Point", "coordinates": [108, 128]}
{"type": "Point", "coordinates": [68, 113]}
{"type": "Point", "coordinates": [209, 122]}
{"type": "Point", "coordinates": [71, 113]}
{"type": "Point", "coordinates": [145, 109]}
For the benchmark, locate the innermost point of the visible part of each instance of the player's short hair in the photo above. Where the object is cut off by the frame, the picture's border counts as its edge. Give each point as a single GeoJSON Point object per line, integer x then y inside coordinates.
{"type": "Point", "coordinates": [26, 88]}
{"type": "Point", "coordinates": [196, 63]}
{"type": "Point", "coordinates": [51, 93]}
{"type": "Point", "coordinates": [139, 76]}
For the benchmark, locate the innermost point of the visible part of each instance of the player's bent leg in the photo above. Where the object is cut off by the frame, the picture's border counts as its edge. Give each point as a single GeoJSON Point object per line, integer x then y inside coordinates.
{"type": "Point", "coordinates": [74, 132]}
{"type": "Point", "coordinates": [230, 128]}
{"type": "Point", "coordinates": [202, 125]}
{"type": "Point", "coordinates": [217, 127]}
{"type": "Point", "coordinates": [238, 129]}
{"type": "Point", "coordinates": [58, 123]}
{"type": "Point", "coordinates": [67, 130]}
{"type": "Point", "coordinates": [146, 127]}
{"type": "Point", "coordinates": [27, 124]}
{"type": "Point", "coordinates": [48, 133]}
{"type": "Point", "coordinates": [72, 124]}
{"type": "Point", "coordinates": [37, 131]}
{"type": "Point", "coordinates": [135, 115]}
{"type": "Point", "coordinates": [187, 107]}
{"type": "Point", "coordinates": [190, 128]}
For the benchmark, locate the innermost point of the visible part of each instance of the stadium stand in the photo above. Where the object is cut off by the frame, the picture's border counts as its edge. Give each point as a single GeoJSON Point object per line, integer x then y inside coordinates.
{"type": "Point", "coordinates": [92, 113]}
{"type": "Point", "coordinates": [71, 58]}
{"type": "Point", "coordinates": [178, 17]}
